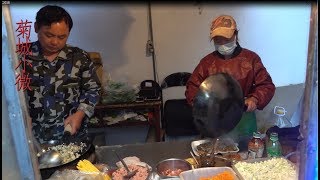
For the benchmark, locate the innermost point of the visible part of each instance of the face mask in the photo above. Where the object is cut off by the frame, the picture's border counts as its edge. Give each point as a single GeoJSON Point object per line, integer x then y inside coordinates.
{"type": "Point", "coordinates": [226, 49]}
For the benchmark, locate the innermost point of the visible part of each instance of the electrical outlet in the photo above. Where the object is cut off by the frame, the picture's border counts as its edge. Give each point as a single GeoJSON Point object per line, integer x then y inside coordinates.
{"type": "Point", "coordinates": [149, 48]}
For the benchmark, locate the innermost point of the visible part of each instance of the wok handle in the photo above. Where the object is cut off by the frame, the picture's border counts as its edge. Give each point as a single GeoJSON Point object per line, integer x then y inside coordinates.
{"type": "Point", "coordinates": [68, 128]}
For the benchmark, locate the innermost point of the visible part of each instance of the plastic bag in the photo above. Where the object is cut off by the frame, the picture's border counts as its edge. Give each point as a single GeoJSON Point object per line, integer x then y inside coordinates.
{"type": "Point", "coordinates": [282, 121]}
{"type": "Point", "coordinates": [133, 160]}
{"type": "Point", "coordinates": [104, 168]}
{"type": "Point", "coordinates": [119, 92]}
{"type": "Point", "coordinates": [68, 174]}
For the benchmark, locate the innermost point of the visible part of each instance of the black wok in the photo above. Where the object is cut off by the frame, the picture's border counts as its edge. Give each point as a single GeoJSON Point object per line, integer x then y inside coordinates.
{"type": "Point", "coordinates": [46, 172]}
{"type": "Point", "coordinates": [218, 105]}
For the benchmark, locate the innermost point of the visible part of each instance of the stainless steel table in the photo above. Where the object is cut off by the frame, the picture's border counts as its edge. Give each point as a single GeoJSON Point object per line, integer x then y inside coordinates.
{"type": "Point", "coordinates": [150, 153]}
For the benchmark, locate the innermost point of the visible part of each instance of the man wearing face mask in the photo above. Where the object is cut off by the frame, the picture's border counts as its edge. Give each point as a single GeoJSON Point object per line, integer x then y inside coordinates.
{"type": "Point", "coordinates": [242, 64]}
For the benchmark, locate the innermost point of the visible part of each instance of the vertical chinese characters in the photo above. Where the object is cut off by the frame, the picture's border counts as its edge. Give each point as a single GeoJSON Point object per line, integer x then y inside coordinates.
{"type": "Point", "coordinates": [23, 49]}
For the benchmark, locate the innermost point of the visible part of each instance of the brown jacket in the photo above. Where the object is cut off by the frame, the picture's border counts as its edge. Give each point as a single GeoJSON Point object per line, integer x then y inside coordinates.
{"type": "Point", "coordinates": [245, 66]}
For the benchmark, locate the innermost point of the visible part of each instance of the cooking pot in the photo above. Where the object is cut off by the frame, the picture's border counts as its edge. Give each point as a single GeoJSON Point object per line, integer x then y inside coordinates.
{"type": "Point", "coordinates": [218, 105]}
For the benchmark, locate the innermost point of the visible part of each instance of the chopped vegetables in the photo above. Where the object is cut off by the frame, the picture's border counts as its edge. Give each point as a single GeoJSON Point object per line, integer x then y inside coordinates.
{"type": "Point", "coordinates": [68, 152]}
{"type": "Point", "coordinates": [225, 175]}
{"type": "Point", "coordinates": [272, 169]}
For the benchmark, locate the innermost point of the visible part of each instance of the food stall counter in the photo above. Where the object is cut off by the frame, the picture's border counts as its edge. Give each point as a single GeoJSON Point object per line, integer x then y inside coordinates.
{"type": "Point", "coordinates": [151, 153]}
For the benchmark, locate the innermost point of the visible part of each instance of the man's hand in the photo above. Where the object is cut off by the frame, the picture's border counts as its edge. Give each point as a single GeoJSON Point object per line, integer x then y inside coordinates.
{"type": "Point", "coordinates": [251, 103]}
{"type": "Point", "coordinates": [75, 121]}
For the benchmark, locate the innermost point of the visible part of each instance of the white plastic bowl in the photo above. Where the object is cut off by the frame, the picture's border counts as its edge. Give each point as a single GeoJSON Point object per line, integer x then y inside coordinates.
{"type": "Point", "coordinates": [205, 172]}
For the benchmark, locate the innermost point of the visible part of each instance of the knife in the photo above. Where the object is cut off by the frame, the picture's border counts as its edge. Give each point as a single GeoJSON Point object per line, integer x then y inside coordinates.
{"type": "Point", "coordinates": [67, 134]}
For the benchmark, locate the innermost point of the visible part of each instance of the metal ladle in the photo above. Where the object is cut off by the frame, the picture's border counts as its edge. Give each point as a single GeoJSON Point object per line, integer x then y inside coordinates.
{"type": "Point", "coordinates": [50, 158]}
{"type": "Point", "coordinates": [47, 158]}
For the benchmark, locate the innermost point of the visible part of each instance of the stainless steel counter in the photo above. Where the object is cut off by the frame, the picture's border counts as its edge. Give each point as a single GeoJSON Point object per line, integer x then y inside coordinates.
{"type": "Point", "coordinates": [150, 153]}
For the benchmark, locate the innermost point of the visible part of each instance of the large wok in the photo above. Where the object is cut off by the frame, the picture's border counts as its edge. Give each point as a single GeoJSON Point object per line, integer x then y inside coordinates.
{"type": "Point", "coordinates": [47, 171]}
{"type": "Point", "coordinates": [218, 105]}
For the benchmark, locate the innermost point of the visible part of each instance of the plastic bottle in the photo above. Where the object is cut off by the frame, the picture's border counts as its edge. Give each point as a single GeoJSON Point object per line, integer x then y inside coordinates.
{"type": "Point", "coordinates": [255, 146]}
{"type": "Point", "coordinates": [273, 146]}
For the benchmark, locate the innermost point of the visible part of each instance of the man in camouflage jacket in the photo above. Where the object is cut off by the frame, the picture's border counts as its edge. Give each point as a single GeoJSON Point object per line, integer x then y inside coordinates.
{"type": "Point", "coordinates": [64, 87]}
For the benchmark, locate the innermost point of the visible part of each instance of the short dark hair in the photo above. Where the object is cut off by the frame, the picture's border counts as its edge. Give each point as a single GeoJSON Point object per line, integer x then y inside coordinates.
{"type": "Point", "coordinates": [50, 14]}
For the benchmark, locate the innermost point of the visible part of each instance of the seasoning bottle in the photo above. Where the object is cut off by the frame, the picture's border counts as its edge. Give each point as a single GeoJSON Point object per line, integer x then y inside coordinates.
{"type": "Point", "coordinates": [255, 146]}
{"type": "Point", "coordinates": [273, 146]}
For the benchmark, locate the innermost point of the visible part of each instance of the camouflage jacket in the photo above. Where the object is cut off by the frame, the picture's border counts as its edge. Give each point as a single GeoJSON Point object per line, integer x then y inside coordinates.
{"type": "Point", "coordinates": [60, 88]}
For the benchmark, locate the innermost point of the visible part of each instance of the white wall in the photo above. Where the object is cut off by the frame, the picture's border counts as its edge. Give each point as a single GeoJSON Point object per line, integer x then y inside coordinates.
{"type": "Point", "coordinates": [277, 32]}
{"type": "Point", "coordinates": [117, 31]}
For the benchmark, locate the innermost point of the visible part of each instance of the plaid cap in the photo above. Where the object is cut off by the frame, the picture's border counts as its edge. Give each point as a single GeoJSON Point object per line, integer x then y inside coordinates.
{"type": "Point", "coordinates": [223, 26]}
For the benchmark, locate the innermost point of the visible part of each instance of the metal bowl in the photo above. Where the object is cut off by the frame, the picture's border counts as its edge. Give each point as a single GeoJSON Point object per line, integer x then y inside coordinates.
{"type": "Point", "coordinates": [172, 164]}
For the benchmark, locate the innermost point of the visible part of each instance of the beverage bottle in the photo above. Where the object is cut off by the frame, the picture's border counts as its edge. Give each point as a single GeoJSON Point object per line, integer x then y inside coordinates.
{"type": "Point", "coordinates": [255, 146]}
{"type": "Point", "coordinates": [273, 146]}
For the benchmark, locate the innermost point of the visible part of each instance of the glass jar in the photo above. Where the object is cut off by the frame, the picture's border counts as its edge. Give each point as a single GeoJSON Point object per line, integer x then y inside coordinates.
{"type": "Point", "coordinates": [273, 146]}
{"type": "Point", "coordinates": [255, 146]}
